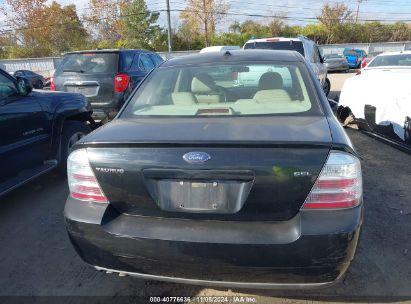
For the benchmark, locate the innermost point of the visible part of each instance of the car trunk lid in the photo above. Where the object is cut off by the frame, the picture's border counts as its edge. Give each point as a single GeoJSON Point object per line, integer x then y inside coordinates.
{"type": "Point", "coordinates": [263, 172]}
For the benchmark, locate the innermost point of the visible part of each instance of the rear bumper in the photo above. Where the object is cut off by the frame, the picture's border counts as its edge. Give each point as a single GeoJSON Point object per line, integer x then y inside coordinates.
{"type": "Point", "coordinates": [109, 108]}
{"type": "Point", "coordinates": [314, 249]}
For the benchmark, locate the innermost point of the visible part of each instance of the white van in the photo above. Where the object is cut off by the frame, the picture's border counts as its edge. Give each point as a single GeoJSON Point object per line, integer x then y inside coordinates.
{"type": "Point", "coordinates": [220, 48]}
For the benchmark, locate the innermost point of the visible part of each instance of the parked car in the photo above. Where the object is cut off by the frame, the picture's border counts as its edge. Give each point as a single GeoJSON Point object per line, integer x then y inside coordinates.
{"type": "Point", "coordinates": [219, 48]}
{"type": "Point", "coordinates": [379, 99]}
{"type": "Point", "coordinates": [36, 80]}
{"type": "Point", "coordinates": [255, 187]}
{"type": "Point", "coordinates": [354, 57]}
{"type": "Point", "coordinates": [105, 77]}
{"type": "Point", "coordinates": [302, 45]}
{"type": "Point", "coordinates": [337, 63]}
{"type": "Point", "coordinates": [38, 130]}
{"type": "Point", "coordinates": [370, 56]}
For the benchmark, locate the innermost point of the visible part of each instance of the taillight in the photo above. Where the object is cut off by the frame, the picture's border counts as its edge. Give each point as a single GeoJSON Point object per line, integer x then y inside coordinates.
{"type": "Point", "coordinates": [82, 181]}
{"type": "Point", "coordinates": [339, 185]}
{"type": "Point", "coordinates": [121, 82]}
{"type": "Point", "coordinates": [234, 76]}
{"type": "Point", "coordinates": [358, 73]}
{"type": "Point", "coordinates": [52, 84]}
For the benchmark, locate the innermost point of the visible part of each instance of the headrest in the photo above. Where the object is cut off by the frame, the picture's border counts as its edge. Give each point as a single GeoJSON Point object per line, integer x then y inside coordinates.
{"type": "Point", "coordinates": [203, 84]}
{"type": "Point", "coordinates": [270, 81]}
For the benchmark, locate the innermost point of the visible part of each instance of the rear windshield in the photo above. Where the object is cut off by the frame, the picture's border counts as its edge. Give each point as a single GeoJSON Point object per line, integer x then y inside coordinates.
{"type": "Point", "coordinates": [89, 63]}
{"type": "Point", "coordinates": [277, 45]}
{"type": "Point", "coordinates": [352, 53]}
{"type": "Point", "coordinates": [391, 60]}
{"type": "Point", "coordinates": [226, 90]}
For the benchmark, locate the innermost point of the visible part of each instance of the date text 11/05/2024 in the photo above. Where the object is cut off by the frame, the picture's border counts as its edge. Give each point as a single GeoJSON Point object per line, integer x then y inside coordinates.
{"type": "Point", "coordinates": [204, 299]}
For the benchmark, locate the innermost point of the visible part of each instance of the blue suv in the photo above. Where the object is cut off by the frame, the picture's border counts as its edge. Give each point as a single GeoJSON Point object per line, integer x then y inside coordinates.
{"type": "Point", "coordinates": [354, 57]}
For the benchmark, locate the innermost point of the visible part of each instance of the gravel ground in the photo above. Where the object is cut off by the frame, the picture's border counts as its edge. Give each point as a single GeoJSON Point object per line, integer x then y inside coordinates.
{"type": "Point", "coordinates": [36, 258]}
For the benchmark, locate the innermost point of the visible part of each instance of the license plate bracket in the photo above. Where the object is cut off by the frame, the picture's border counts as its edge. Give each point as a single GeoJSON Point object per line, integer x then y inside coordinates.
{"type": "Point", "coordinates": [199, 196]}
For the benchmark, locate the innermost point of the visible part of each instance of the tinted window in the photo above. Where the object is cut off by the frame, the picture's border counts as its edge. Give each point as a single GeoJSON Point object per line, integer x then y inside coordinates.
{"type": "Point", "coordinates": [126, 61]}
{"type": "Point", "coordinates": [316, 54]}
{"type": "Point", "coordinates": [352, 53]}
{"type": "Point", "coordinates": [391, 60]}
{"type": "Point", "coordinates": [146, 63]}
{"type": "Point", "coordinates": [277, 45]}
{"type": "Point", "coordinates": [19, 74]}
{"type": "Point", "coordinates": [156, 58]}
{"type": "Point", "coordinates": [230, 90]}
{"type": "Point", "coordinates": [89, 63]}
{"type": "Point", "coordinates": [7, 87]}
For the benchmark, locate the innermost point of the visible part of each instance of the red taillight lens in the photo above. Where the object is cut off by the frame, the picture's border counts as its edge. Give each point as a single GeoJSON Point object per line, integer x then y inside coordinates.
{"type": "Point", "coordinates": [52, 84]}
{"type": "Point", "coordinates": [121, 82]}
{"type": "Point", "coordinates": [82, 182]}
{"type": "Point", "coordinates": [339, 185]}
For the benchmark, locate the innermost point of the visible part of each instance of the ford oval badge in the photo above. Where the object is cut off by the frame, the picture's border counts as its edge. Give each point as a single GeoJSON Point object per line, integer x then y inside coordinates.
{"type": "Point", "coordinates": [196, 157]}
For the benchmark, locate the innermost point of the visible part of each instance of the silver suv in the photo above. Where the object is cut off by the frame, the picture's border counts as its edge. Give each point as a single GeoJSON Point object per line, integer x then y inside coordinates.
{"type": "Point", "coordinates": [301, 44]}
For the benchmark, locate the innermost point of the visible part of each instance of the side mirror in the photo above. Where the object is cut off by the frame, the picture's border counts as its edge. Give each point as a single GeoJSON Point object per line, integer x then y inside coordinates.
{"type": "Point", "coordinates": [24, 86]}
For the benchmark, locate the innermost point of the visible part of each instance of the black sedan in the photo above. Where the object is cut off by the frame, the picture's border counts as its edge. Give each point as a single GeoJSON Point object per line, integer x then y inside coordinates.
{"type": "Point", "coordinates": [36, 80]}
{"type": "Point", "coordinates": [336, 62]}
{"type": "Point", "coordinates": [203, 180]}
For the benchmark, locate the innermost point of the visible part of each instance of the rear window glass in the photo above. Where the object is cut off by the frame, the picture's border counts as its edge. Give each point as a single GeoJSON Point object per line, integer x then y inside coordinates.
{"type": "Point", "coordinates": [89, 63]}
{"type": "Point", "coordinates": [391, 60]}
{"type": "Point", "coordinates": [352, 53]}
{"type": "Point", "coordinates": [226, 90]}
{"type": "Point", "coordinates": [277, 45]}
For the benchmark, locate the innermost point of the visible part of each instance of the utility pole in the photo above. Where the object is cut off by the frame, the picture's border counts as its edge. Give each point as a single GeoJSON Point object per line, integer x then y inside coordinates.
{"type": "Point", "coordinates": [205, 22]}
{"type": "Point", "coordinates": [358, 10]}
{"type": "Point", "coordinates": [169, 26]}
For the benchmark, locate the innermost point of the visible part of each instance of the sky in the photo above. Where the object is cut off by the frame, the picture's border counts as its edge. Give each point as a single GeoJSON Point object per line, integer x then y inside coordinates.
{"type": "Point", "coordinates": [299, 12]}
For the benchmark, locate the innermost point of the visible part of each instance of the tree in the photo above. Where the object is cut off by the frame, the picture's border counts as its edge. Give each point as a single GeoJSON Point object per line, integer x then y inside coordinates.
{"type": "Point", "coordinates": [333, 17]}
{"type": "Point", "coordinates": [276, 25]}
{"type": "Point", "coordinates": [104, 21]}
{"type": "Point", "coordinates": [139, 29]}
{"type": "Point", "coordinates": [204, 15]}
{"type": "Point", "coordinates": [43, 30]}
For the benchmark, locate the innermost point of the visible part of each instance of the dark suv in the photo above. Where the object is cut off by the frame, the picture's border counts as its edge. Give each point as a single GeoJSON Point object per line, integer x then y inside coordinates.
{"type": "Point", "coordinates": [105, 77]}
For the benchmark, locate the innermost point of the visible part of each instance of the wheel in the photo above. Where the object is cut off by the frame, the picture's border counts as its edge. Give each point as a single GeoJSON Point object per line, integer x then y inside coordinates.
{"type": "Point", "coordinates": [327, 87]}
{"type": "Point", "coordinates": [72, 132]}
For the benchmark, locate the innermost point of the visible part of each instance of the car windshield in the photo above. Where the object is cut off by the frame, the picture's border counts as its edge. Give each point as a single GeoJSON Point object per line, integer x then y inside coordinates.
{"type": "Point", "coordinates": [277, 45]}
{"type": "Point", "coordinates": [89, 63]}
{"type": "Point", "coordinates": [391, 60]}
{"type": "Point", "coordinates": [228, 90]}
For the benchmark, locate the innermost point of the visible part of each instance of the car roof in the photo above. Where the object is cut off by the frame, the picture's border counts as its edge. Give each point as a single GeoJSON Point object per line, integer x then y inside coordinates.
{"type": "Point", "coordinates": [236, 56]}
{"type": "Point", "coordinates": [109, 51]}
{"type": "Point", "coordinates": [395, 53]}
{"type": "Point", "coordinates": [276, 39]}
